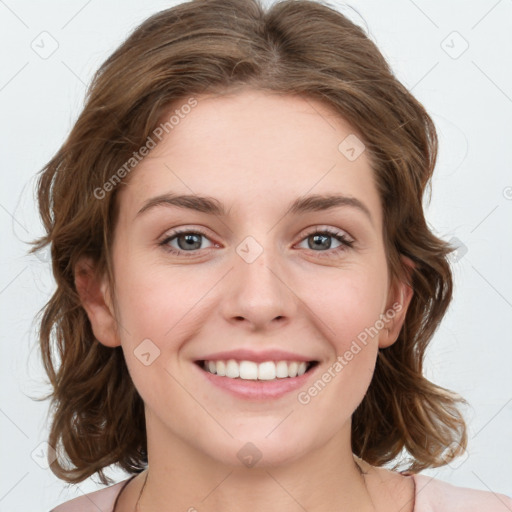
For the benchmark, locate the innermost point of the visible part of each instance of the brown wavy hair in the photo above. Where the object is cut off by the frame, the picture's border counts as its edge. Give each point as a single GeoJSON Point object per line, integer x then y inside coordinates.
{"type": "Point", "coordinates": [215, 46]}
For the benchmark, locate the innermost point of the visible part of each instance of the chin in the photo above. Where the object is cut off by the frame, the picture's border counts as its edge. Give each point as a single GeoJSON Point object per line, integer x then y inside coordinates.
{"type": "Point", "coordinates": [251, 449]}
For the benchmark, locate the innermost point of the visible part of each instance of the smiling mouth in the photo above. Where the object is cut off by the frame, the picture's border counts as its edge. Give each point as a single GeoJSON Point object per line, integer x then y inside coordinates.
{"type": "Point", "coordinates": [250, 370]}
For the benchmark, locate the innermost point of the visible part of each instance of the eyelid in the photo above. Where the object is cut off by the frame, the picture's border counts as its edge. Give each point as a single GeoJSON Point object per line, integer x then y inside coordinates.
{"type": "Point", "coordinates": [309, 231]}
{"type": "Point", "coordinates": [198, 229]}
{"type": "Point", "coordinates": [319, 228]}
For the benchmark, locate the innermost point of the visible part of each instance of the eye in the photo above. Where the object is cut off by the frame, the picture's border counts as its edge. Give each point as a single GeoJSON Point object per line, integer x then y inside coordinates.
{"type": "Point", "coordinates": [321, 239]}
{"type": "Point", "coordinates": [188, 241]}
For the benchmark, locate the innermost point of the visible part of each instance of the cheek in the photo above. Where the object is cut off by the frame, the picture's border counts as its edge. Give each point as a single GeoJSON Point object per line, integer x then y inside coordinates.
{"type": "Point", "coordinates": [151, 298]}
{"type": "Point", "coordinates": [349, 304]}
{"type": "Point", "coordinates": [163, 305]}
{"type": "Point", "coordinates": [348, 310]}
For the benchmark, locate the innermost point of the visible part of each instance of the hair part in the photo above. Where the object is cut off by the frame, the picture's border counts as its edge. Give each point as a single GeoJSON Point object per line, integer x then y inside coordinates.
{"type": "Point", "coordinates": [296, 47]}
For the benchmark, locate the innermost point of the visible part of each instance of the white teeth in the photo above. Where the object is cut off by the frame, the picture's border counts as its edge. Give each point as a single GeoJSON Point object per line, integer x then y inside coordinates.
{"type": "Point", "coordinates": [221, 368]}
{"type": "Point", "coordinates": [282, 369]}
{"type": "Point", "coordinates": [232, 368]}
{"type": "Point", "coordinates": [249, 370]}
{"type": "Point", "coordinates": [267, 370]}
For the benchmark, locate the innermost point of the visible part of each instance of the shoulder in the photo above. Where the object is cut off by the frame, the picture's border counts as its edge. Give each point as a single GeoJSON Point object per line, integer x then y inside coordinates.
{"type": "Point", "coordinates": [434, 495]}
{"type": "Point", "coordinates": [103, 500]}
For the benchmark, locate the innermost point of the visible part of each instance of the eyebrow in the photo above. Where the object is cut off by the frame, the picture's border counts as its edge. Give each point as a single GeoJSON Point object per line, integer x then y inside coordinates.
{"type": "Point", "coordinates": [212, 206]}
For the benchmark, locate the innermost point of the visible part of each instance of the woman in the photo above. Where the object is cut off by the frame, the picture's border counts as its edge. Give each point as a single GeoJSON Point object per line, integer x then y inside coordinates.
{"type": "Point", "coordinates": [246, 281]}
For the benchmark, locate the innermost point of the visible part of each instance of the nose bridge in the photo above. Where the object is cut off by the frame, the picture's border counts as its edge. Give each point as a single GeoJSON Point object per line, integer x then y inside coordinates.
{"type": "Point", "coordinates": [257, 290]}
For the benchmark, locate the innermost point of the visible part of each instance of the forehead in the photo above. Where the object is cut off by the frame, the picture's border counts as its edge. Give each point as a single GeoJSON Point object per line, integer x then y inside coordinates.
{"type": "Point", "coordinates": [253, 149]}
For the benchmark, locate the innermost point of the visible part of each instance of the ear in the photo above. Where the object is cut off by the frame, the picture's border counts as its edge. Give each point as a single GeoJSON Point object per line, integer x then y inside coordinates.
{"type": "Point", "coordinates": [95, 297]}
{"type": "Point", "coordinates": [399, 297]}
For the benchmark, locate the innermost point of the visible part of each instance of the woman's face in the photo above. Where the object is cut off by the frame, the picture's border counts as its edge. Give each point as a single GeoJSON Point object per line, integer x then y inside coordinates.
{"type": "Point", "coordinates": [251, 273]}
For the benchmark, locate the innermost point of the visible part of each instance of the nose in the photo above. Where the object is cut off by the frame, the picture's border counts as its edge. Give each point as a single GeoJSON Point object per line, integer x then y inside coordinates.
{"type": "Point", "coordinates": [257, 293]}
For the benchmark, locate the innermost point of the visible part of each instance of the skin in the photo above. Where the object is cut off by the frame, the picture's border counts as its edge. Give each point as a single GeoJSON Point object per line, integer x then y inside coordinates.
{"type": "Point", "coordinates": [255, 152]}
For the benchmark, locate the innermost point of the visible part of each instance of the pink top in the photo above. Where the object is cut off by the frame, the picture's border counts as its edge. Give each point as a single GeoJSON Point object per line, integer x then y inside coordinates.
{"type": "Point", "coordinates": [432, 495]}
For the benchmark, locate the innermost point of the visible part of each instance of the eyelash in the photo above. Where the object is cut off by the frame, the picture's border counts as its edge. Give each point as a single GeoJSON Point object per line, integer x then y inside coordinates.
{"type": "Point", "coordinates": [346, 243]}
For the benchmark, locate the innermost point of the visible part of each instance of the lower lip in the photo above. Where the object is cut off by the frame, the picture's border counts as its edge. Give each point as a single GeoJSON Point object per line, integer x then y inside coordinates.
{"type": "Point", "coordinates": [258, 389]}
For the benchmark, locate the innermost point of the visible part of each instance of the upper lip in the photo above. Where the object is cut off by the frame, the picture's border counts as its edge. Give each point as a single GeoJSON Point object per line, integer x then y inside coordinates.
{"type": "Point", "coordinates": [257, 357]}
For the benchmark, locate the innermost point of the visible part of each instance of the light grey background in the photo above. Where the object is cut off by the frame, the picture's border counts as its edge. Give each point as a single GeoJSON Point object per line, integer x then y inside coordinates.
{"type": "Point", "coordinates": [468, 93]}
